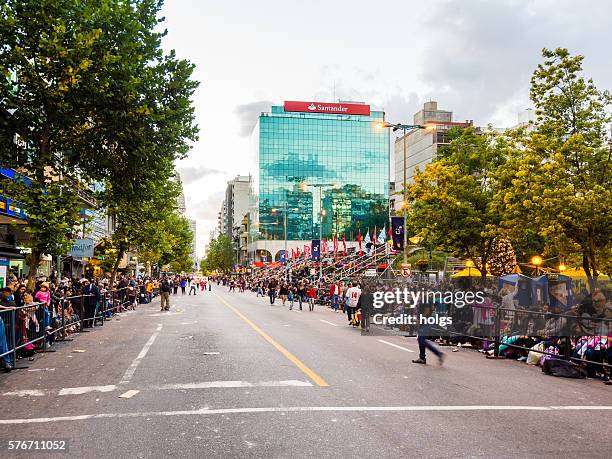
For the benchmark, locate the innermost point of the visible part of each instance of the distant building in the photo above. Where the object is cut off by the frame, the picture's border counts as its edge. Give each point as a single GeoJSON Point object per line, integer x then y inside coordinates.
{"type": "Point", "coordinates": [236, 204]}
{"type": "Point", "coordinates": [193, 228]}
{"type": "Point", "coordinates": [421, 145]}
{"type": "Point", "coordinates": [180, 199]}
{"type": "Point", "coordinates": [322, 170]}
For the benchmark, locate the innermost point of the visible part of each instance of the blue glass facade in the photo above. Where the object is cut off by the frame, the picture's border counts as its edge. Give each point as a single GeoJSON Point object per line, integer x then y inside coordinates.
{"type": "Point", "coordinates": [347, 153]}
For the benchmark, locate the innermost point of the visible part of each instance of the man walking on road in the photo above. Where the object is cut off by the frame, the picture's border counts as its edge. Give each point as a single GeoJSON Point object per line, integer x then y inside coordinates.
{"type": "Point", "coordinates": [164, 289]}
{"type": "Point", "coordinates": [424, 338]}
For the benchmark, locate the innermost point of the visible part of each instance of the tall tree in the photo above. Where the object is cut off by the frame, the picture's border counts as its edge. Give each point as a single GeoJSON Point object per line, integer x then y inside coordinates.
{"type": "Point", "coordinates": [221, 254]}
{"type": "Point", "coordinates": [51, 59]}
{"type": "Point", "coordinates": [451, 199]}
{"type": "Point", "coordinates": [95, 98]}
{"type": "Point", "coordinates": [559, 182]}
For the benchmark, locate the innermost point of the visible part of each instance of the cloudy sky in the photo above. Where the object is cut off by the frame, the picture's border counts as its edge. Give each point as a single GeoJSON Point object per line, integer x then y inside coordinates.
{"type": "Point", "coordinates": [474, 57]}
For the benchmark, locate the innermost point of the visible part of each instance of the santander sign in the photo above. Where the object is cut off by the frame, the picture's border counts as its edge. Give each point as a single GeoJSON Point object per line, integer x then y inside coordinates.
{"type": "Point", "coordinates": [327, 107]}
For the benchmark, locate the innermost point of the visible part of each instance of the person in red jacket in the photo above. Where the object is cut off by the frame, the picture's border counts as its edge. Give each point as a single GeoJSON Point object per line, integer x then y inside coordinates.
{"type": "Point", "coordinates": [311, 294]}
{"type": "Point", "coordinates": [334, 294]}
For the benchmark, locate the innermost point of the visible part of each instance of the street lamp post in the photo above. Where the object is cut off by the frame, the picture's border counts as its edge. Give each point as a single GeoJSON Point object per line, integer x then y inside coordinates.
{"type": "Point", "coordinates": [537, 261]}
{"type": "Point", "coordinates": [284, 210]}
{"type": "Point", "coordinates": [321, 213]}
{"type": "Point", "coordinates": [405, 128]}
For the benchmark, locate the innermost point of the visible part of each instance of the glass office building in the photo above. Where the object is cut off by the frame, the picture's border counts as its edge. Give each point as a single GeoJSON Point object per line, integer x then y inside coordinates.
{"type": "Point", "coordinates": [320, 160]}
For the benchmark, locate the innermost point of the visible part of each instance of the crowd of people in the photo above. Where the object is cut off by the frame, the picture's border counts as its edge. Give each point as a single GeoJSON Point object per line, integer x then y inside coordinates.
{"type": "Point", "coordinates": [531, 334]}
{"type": "Point", "coordinates": [59, 306]}
{"type": "Point", "coordinates": [169, 285]}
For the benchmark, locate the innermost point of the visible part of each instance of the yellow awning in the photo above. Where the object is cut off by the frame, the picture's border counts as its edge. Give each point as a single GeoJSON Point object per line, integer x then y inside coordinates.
{"type": "Point", "coordinates": [469, 272]}
{"type": "Point", "coordinates": [578, 273]}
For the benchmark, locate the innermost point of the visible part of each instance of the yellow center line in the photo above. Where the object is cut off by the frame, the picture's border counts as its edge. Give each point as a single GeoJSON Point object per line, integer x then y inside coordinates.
{"type": "Point", "coordinates": [292, 358]}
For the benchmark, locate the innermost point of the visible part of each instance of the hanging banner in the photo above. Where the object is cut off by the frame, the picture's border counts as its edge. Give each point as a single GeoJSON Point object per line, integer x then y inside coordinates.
{"type": "Point", "coordinates": [397, 232]}
{"type": "Point", "coordinates": [316, 249]}
{"type": "Point", "coordinates": [82, 248]}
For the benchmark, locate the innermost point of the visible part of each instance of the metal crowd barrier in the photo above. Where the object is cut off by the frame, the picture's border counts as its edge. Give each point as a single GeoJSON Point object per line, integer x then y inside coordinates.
{"type": "Point", "coordinates": [32, 328]}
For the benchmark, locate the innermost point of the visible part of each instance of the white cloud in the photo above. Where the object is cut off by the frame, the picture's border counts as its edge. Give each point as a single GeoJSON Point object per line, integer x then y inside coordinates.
{"type": "Point", "coordinates": [474, 57]}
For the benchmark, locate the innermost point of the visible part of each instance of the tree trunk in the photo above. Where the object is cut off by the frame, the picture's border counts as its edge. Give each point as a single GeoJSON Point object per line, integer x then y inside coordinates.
{"type": "Point", "coordinates": [120, 254]}
{"type": "Point", "coordinates": [33, 263]}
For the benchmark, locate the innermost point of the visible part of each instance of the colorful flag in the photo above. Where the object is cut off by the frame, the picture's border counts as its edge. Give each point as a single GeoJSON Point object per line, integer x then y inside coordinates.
{"type": "Point", "coordinates": [381, 236]}
{"type": "Point", "coordinates": [359, 241]}
{"type": "Point", "coordinates": [397, 232]}
{"type": "Point", "coordinates": [344, 244]}
{"type": "Point", "coordinates": [316, 249]}
{"type": "Point", "coordinates": [335, 245]}
{"type": "Point", "coordinates": [368, 243]}
{"type": "Point", "coordinates": [323, 246]}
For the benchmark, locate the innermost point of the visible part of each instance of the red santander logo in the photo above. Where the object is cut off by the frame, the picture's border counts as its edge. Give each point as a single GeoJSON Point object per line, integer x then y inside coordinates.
{"type": "Point", "coordinates": [327, 107]}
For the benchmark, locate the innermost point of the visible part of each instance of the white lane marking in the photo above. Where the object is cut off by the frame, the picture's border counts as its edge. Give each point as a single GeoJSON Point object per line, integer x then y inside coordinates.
{"type": "Point", "coordinates": [232, 384]}
{"type": "Point", "coordinates": [79, 351]}
{"type": "Point", "coordinates": [189, 323]}
{"type": "Point", "coordinates": [293, 409]}
{"type": "Point", "coordinates": [198, 385]}
{"type": "Point", "coordinates": [86, 389]}
{"type": "Point", "coordinates": [25, 393]}
{"type": "Point", "coordinates": [395, 345]}
{"type": "Point", "coordinates": [129, 393]}
{"type": "Point", "coordinates": [212, 353]}
{"type": "Point", "coordinates": [329, 323]}
{"type": "Point", "coordinates": [42, 369]}
{"type": "Point", "coordinates": [129, 373]}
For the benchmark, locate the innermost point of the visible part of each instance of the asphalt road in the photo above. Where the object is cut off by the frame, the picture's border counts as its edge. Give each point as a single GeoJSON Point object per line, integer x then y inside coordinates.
{"type": "Point", "coordinates": [227, 375]}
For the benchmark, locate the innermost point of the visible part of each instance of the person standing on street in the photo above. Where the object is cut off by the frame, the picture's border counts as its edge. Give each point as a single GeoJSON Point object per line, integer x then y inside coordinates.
{"type": "Point", "coordinates": [164, 291]}
{"type": "Point", "coordinates": [334, 293]}
{"type": "Point", "coordinates": [301, 293]}
{"type": "Point", "coordinates": [183, 285]}
{"type": "Point", "coordinates": [283, 292]}
{"type": "Point", "coordinates": [193, 288]}
{"type": "Point", "coordinates": [312, 295]}
{"type": "Point", "coordinates": [424, 338]}
{"type": "Point", "coordinates": [352, 298]}
{"type": "Point", "coordinates": [272, 290]}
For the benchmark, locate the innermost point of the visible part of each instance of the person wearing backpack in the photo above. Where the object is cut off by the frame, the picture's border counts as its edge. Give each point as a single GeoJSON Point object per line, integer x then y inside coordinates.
{"type": "Point", "coordinates": [164, 291]}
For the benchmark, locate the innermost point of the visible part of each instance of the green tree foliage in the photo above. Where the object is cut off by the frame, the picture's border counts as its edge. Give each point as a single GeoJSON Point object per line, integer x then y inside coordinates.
{"type": "Point", "coordinates": [557, 183]}
{"type": "Point", "coordinates": [451, 199]}
{"type": "Point", "coordinates": [95, 98]}
{"type": "Point", "coordinates": [50, 61]}
{"type": "Point", "coordinates": [221, 255]}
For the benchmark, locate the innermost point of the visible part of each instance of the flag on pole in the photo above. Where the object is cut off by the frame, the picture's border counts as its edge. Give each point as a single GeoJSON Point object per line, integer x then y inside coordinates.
{"type": "Point", "coordinates": [323, 246]}
{"type": "Point", "coordinates": [397, 232]}
{"type": "Point", "coordinates": [368, 243]}
{"type": "Point", "coordinates": [381, 236]}
{"type": "Point", "coordinates": [297, 252]}
{"type": "Point", "coordinates": [335, 245]}
{"type": "Point", "coordinates": [359, 241]}
{"type": "Point", "coordinates": [306, 251]}
{"type": "Point", "coordinates": [344, 244]}
{"type": "Point", "coordinates": [316, 249]}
